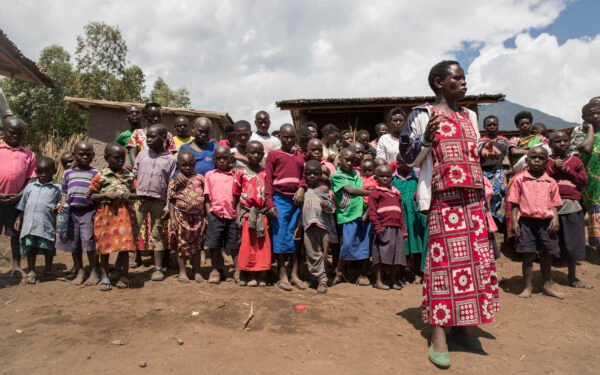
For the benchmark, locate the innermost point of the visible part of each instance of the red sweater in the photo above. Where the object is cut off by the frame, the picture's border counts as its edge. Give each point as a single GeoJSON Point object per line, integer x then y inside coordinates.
{"type": "Point", "coordinates": [572, 180]}
{"type": "Point", "coordinates": [385, 208]}
{"type": "Point", "coordinates": [284, 174]}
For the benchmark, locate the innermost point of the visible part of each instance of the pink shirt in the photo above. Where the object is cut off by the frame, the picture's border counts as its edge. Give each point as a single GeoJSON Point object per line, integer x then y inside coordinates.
{"type": "Point", "coordinates": [218, 188]}
{"type": "Point", "coordinates": [535, 196]}
{"type": "Point", "coordinates": [18, 166]}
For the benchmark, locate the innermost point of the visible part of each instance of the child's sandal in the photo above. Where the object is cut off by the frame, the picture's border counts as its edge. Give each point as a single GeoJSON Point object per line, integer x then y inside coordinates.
{"type": "Point", "coordinates": [31, 278]}
{"type": "Point", "coordinates": [105, 284]}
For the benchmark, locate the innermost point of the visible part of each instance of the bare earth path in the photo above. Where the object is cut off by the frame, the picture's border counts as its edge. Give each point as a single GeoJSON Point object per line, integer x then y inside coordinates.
{"type": "Point", "coordinates": [54, 327]}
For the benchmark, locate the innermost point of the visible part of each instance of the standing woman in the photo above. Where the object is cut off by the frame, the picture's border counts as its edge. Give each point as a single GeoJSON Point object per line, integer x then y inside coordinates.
{"type": "Point", "coordinates": [459, 284]}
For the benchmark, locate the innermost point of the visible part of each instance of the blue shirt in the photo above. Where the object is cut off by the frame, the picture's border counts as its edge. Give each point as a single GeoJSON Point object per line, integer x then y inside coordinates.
{"type": "Point", "coordinates": [204, 159]}
{"type": "Point", "coordinates": [37, 203]}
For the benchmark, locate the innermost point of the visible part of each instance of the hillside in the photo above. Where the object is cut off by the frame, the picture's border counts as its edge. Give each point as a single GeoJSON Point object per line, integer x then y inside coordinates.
{"type": "Point", "coordinates": [506, 111]}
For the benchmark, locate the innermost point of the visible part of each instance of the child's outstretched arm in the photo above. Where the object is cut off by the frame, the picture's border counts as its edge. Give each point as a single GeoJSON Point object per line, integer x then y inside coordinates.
{"type": "Point", "coordinates": [354, 191]}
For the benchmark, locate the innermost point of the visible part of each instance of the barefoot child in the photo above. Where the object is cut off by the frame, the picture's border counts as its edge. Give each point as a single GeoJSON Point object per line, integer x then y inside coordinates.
{"type": "Point", "coordinates": [254, 257]}
{"type": "Point", "coordinates": [348, 190]}
{"type": "Point", "coordinates": [186, 210]}
{"type": "Point", "coordinates": [569, 173]}
{"type": "Point", "coordinates": [153, 168]}
{"type": "Point", "coordinates": [386, 216]}
{"type": "Point", "coordinates": [317, 218]}
{"type": "Point", "coordinates": [17, 170]}
{"type": "Point", "coordinates": [79, 237]}
{"type": "Point", "coordinates": [36, 220]}
{"type": "Point", "coordinates": [221, 228]}
{"type": "Point", "coordinates": [112, 190]}
{"type": "Point", "coordinates": [535, 198]}
{"type": "Point", "coordinates": [284, 190]}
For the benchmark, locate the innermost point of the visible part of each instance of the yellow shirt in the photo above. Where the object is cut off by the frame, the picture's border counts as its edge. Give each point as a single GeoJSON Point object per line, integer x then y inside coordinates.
{"type": "Point", "coordinates": [181, 141]}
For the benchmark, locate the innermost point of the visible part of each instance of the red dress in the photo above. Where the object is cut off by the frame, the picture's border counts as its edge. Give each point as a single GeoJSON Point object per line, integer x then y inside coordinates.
{"type": "Point", "coordinates": [255, 245]}
{"type": "Point", "coordinates": [460, 284]}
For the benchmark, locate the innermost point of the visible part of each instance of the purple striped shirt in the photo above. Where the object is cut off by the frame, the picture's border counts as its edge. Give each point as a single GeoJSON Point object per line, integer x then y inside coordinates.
{"type": "Point", "coordinates": [76, 183]}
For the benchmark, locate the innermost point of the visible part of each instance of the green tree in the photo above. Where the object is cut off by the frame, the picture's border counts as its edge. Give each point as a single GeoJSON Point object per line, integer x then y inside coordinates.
{"type": "Point", "coordinates": [161, 93]}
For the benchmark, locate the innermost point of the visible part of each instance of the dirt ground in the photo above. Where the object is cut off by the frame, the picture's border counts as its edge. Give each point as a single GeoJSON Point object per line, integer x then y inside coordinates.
{"type": "Point", "coordinates": [56, 327]}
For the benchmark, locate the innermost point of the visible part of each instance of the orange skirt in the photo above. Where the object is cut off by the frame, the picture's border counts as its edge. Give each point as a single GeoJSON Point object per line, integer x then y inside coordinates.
{"type": "Point", "coordinates": [255, 252]}
{"type": "Point", "coordinates": [113, 228]}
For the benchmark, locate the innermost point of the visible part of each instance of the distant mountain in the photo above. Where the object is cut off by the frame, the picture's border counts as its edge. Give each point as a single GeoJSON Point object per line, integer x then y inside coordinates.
{"type": "Point", "coordinates": [506, 111]}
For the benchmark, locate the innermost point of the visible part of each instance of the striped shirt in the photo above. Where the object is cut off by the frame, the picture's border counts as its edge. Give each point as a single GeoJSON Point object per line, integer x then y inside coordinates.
{"type": "Point", "coordinates": [75, 184]}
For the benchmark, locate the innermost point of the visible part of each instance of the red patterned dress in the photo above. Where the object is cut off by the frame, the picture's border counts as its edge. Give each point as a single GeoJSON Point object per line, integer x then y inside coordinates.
{"type": "Point", "coordinates": [460, 284]}
{"type": "Point", "coordinates": [188, 233]}
{"type": "Point", "coordinates": [255, 245]}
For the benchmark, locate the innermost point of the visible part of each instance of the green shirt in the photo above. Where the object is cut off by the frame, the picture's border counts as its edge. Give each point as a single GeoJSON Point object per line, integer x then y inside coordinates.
{"type": "Point", "coordinates": [350, 207]}
{"type": "Point", "coordinates": [123, 138]}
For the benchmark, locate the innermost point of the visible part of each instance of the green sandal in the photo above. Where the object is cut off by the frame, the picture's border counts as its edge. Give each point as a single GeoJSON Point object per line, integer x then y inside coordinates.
{"type": "Point", "coordinates": [441, 360]}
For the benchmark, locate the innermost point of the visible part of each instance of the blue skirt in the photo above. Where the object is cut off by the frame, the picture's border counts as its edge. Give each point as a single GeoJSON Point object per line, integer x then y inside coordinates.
{"type": "Point", "coordinates": [283, 227]}
{"type": "Point", "coordinates": [356, 240]}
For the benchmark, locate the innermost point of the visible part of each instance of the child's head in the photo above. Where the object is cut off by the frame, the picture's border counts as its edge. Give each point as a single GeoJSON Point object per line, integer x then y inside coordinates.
{"type": "Point", "coordinates": [134, 116]}
{"type": "Point", "coordinates": [14, 131]}
{"type": "Point", "coordinates": [591, 113]}
{"type": "Point", "coordinates": [539, 129]}
{"type": "Point", "coordinates": [491, 125]}
{"type": "Point", "coordinates": [359, 150]}
{"type": "Point", "coordinates": [243, 132]}
{"type": "Point", "coordinates": [182, 126]}
{"type": "Point", "coordinates": [67, 160]}
{"type": "Point", "coordinates": [396, 119]}
{"type": "Point", "coordinates": [312, 172]}
{"type": "Point", "coordinates": [156, 136]}
{"type": "Point", "coordinates": [255, 151]}
{"type": "Point", "coordinates": [523, 121]}
{"type": "Point", "coordinates": [287, 135]}
{"type": "Point", "coordinates": [83, 151]}
{"type": "Point", "coordinates": [222, 158]}
{"type": "Point", "coordinates": [230, 133]}
{"type": "Point", "coordinates": [347, 159]}
{"type": "Point", "coordinates": [329, 134]}
{"type": "Point", "coordinates": [115, 154]}
{"type": "Point", "coordinates": [401, 165]}
{"type": "Point", "coordinates": [314, 149]}
{"type": "Point", "coordinates": [262, 120]}
{"type": "Point", "coordinates": [45, 168]}
{"type": "Point", "coordinates": [304, 136]}
{"type": "Point", "coordinates": [186, 162]}
{"type": "Point", "coordinates": [367, 168]}
{"type": "Point", "coordinates": [380, 161]}
{"type": "Point", "coordinates": [537, 158]}
{"type": "Point", "coordinates": [201, 130]}
{"type": "Point", "coordinates": [383, 175]}
{"type": "Point", "coordinates": [275, 133]}
{"type": "Point", "coordinates": [345, 138]}
{"type": "Point", "coordinates": [152, 113]}
{"type": "Point", "coordinates": [363, 137]}
{"type": "Point", "coordinates": [381, 129]}
{"type": "Point", "coordinates": [559, 143]}
{"type": "Point", "coordinates": [312, 127]}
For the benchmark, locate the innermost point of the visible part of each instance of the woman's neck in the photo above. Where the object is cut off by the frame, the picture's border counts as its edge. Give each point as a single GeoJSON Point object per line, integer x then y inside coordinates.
{"type": "Point", "coordinates": [444, 105]}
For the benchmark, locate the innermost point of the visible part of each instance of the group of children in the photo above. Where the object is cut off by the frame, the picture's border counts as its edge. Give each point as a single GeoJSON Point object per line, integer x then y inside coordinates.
{"type": "Point", "coordinates": [265, 200]}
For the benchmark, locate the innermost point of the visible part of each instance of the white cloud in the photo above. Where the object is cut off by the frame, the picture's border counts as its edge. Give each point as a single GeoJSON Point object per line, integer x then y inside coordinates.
{"type": "Point", "coordinates": [242, 56]}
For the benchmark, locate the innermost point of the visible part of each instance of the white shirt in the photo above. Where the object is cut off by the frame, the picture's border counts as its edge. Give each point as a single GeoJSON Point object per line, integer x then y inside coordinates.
{"type": "Point", "coordinates": [388, 147]}
{"type": "Point", "coordinates": [269, 142]}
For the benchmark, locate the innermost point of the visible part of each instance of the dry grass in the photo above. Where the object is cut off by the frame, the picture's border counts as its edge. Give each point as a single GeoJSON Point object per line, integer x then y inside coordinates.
{"type": "Point", "coordinates": [53, 147]}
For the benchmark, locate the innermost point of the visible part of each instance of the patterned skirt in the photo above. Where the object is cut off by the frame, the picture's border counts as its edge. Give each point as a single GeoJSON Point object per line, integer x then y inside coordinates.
{"type": "Point", "coordinates": [114, 228]}
{"type": "Point", "coordinates": [460, 285]}
{"type": "Point", "coordinates": [187, 237]}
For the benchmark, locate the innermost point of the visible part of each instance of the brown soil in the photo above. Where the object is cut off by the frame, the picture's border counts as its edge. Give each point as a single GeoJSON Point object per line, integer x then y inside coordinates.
{"type": "Point", "coordinates": [55, 327]}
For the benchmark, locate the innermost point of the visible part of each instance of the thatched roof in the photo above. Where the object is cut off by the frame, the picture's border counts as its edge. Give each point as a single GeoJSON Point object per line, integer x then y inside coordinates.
{"type": "Point", "coordinates": [390, 101]}
{"type": "Point", "coordinates": [14, 64]}
{"type": "Point", "coordinates": [221, 118]}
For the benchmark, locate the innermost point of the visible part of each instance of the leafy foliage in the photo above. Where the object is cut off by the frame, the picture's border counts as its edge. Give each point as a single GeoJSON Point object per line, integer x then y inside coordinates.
{"type": "Point", "coordinates": [163, 94]}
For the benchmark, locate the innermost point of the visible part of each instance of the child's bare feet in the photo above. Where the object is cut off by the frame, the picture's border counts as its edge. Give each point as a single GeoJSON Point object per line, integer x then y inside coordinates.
{"type": "Point", "coordinates": [253, 282]}
{"type": "Point", "coordinates": [157, 275]}
{"type": "Point", "coordinates": [381, 286]}
{"type": "Point", "coordinates": [183, 278]}
{"type": "Point", "coordinates": [214, 277]}
{"type": "Point", "coordinates": [93, 279]}
{"type": "Point", "coordinates": [322, 287]}
{"type": "Point", "coordinates": [123, 283]}
{"type": "Point", "coordinates": [579, 284]}
{"type": "Point", "coordinates": [298, 283]}
{"type": "Point", "coordinates": [284, 285]}
{"type": "Point", "coordinates": [526, 293]}
{"type": "Point", "coordinates": [18, 272]}
{"type": "Point", "coordinates": [363, 281]}
{"type": "Point", "coordinates": [397, 286]}
{"type": "Point", "coordinates": [31, 278]}
{"type": "Point", "coordinates": [552, 293]}
{"type": "Point", "coordinates": [79, 277]}
{"type": "Point", "coordinates": [198, 278]}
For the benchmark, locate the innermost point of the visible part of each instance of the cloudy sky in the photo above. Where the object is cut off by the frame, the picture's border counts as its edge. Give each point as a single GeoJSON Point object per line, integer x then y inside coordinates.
{"type": "Point", "coordinates": [242, 56]}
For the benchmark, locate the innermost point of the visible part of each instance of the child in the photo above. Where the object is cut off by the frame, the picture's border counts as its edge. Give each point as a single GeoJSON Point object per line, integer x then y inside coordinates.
{"type": "Point", "coordinates": [17, 170]}
{"type": "Point", "coordinates": [356, 233]}
{"type": "Point", "coordinates": [519, 145]}
{"type": "Point", "coordinates": [359, 150]}
{"type": "Point", "coordinates": [67, 160]}
{"type": "Point", "coordinates": [186, 211]}
{"type": "Point", "coordinates": [221, 227]}
{"type": "Point", "coordinates": [388, 224]}
{"type": "Point", "coordinates": [363, 137]}
{"type": "Point", "coordinates": [367, 173]}
{"type": "Point", "coordinates": [153, 169]}
{"type": "Point", "coordinates": [539, 129]}
{"type": "Point", "coordinates": [230, 137]}
{"type": "Point", "coordinates": [388, 144]}
{"type": "Point", "coordinates": [317, 218]}
{"type": "Point", "coordinates": [243, 133]}
{"type": "Point", "coordinates": [262, 120]}
{"type": "Point", "coordinates": [315, 152]}
{"type": "Point", "coordinates": [380, 161]}
{"type": "Point", "coordinates": [569, 173]}
{"type": "Point", "coordinates": [535, 197]}
{"type": "Point", "coordinates": [415, 246]}
{"type": "Point", "coordinates": [329, 135]}
{"type": "Point", "coordinates": [114, 221]}
{"type": "Point", "coordinates": [284, 190]}
{"type": "Point", "coordinates": [254, 257]}
{"type": "Point", "coordinates": [37, 217]}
